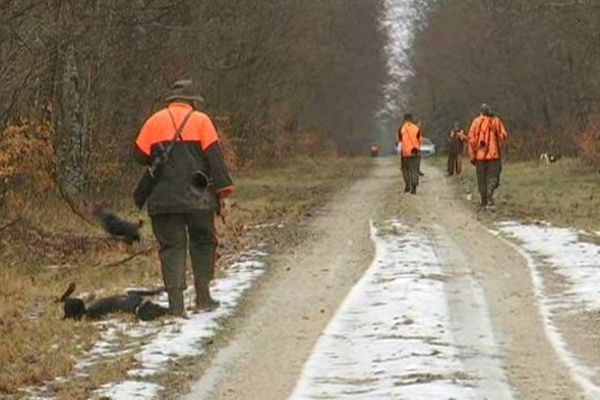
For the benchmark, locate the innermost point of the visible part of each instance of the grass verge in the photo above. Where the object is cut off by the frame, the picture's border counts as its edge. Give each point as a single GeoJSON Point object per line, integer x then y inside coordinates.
{"type": "Point", "coordinates": [52, 247]}
{"type": "Point", "coordinates": [565, 194]}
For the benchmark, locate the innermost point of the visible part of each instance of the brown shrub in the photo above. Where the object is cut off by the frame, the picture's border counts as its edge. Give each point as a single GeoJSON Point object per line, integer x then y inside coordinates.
{"type": "Point", "coordinates": [588, 143]}
{"type": "Point", "coordinates": [27, 160]}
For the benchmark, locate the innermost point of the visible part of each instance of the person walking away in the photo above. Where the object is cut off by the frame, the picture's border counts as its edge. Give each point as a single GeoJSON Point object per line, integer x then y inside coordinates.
{"type": "Point", "coordinates": [183, 216]}
{"type": "Point", "coordinates": [456, 147]}
{"type": "Point", "coordinates": [409, 136]}
{"type": "Point", "coordinates": [486, 138]}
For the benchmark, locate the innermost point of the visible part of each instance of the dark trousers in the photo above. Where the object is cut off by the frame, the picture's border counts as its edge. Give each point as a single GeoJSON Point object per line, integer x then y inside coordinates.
{"type": "Point", "coordinates": [454, 164]}
{"type": "Point", "coordinates": [177, 234]}
{"type": "Point", "coordinates": [488, 179]}
{"type": "Point", "coordinates": [410, 170]}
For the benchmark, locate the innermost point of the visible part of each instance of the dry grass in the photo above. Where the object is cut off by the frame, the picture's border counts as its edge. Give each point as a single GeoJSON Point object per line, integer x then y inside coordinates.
{"type": "Point", "coordinates": [52, 247]}
{"type": "Point", "coordinates": [566, 193]}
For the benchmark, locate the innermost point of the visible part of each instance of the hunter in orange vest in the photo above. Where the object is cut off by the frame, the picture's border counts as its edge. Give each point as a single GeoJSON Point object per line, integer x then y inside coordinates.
{"type": "Point", "coordinates": [409, 137]}
{"type": "Point", "coordinates": [181, 210]}
{"type": "Point", "coordinates": [486, 138]}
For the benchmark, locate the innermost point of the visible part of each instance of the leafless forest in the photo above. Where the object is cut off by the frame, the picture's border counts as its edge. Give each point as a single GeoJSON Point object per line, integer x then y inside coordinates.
{"type": "Point", "coordinates": [284, 77]}
{"type": "Point", "coordinates": [537, 62]}
{"type": "Point", "coordinates": [280, 77]}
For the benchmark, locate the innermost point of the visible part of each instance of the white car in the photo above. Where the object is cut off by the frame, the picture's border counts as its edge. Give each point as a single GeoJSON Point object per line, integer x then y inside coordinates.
{"type": "Point", "coordinates": [427, 148]}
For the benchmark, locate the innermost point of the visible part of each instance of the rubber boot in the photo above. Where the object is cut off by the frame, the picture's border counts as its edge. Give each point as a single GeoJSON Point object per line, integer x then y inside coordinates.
{"type": "Point", "coordinates": [413, 189]}
{"type": "Point", "coordinates": [407, 188]}
{"type": "Point", "coordinates": [204, 302]}
{"type": "Point", "coordinates": [484, 202]}
{"type": "Point", "coordinates": [176, 306]}
{"type": "Point", "coordinates": [491, 205]}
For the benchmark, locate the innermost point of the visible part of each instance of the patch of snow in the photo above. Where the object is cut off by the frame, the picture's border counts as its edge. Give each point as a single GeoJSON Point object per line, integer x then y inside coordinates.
{"type": "Point", "coordinates": [391, 338]}
{"type": "Point", "coordinates": [129, 390]}
{"type": "Point", "coordinates": [164, 341]}
{"type": "Point", "coordinates": [555, 246]}
{"type": "Point", "coordinates": [561, 250]}
{"type": "Point", "coordinates": [107, 346]}
{"type": "Point", "coordinates": [277, 225]}
{"type": "Point", "coordinates": [186, 338]}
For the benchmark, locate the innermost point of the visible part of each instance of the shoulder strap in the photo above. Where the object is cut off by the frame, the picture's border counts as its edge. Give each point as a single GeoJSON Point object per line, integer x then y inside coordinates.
{"type": "Point", "coordinates": [178, 130]}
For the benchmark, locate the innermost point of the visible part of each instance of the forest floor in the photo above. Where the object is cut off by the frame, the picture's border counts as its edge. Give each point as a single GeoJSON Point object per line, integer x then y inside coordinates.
{"type": "Point", "coordinates": [359, 291]}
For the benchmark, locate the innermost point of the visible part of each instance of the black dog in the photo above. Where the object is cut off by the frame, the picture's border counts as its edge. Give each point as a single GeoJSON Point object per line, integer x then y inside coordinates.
{"type": "Point", "coordinates": [118, 227]}
{"type": "Point", "coordinates": [133, 302]}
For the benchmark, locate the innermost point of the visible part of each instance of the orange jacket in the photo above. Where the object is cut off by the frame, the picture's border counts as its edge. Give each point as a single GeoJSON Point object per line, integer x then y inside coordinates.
{"type": "Point", "coordinates": [486, 137]}
{"type": "Point", "coordinates": [410, 137]}
{"type": "Point", "coordinates": [198, 149]}
{"type": "Point", "coordinates": [159, 128]}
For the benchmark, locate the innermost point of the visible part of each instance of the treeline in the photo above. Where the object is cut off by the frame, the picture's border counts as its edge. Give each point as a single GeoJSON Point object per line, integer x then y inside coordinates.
{"type": "Point", "coordinates": [280, 77]}
{"type": "Point", "coordinates": [536, 62]}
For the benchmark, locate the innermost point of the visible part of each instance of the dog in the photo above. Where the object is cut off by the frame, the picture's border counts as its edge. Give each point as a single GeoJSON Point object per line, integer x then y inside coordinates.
{"type": "Point", "coordinates": [549, 158]}
{"type": "Point", "coordinates": [117, 227]}
{"type": "Point", "coordinates": [134, 302]}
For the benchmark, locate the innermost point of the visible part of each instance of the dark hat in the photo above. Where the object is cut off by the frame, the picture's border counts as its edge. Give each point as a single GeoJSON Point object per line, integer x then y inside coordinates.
{"type": "Point", "coordinates": [184, 90]}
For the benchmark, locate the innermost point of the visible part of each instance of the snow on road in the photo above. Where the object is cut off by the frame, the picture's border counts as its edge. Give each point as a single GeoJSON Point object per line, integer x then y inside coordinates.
{"type": "Point", "coordinates": [561, 251]}
{"type": "Point", "coordinates": [392, 336]}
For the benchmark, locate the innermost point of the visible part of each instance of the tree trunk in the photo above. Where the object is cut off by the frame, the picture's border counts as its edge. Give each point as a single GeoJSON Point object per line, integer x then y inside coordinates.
{"type": "Point", "coordinates": [74, 172]}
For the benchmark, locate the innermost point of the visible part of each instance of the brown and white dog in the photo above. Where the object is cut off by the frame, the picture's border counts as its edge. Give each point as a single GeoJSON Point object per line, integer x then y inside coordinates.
{"type": "Point", "coordinates": [549, 158]}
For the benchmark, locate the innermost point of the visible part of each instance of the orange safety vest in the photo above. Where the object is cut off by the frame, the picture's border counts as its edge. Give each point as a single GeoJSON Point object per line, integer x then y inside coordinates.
{"type": "Point", "coordinates": [410, 137]}
{"type": "Point", "coordinates": [198, 132]}
{"type": "Point", "coordinates": [160, 127]}
{"type": "Point", "coordinates": [486, 136]}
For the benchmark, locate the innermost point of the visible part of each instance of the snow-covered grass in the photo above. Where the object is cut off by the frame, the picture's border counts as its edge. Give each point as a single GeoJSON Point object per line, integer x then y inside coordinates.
{"type": "Point", "coordinates": [183, 338]}
{"type": "Point", "coordinates": [391, 338]}
{"type": "Point", "coordinates": [155, 345]}
{"type": "Point", "coordinates": [131, 390]}
{"type": "Point", "coordinates": [561, 251]}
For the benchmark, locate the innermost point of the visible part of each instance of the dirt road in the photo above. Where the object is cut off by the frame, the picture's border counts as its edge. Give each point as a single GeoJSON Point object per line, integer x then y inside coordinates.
{"type": "Point", "coordinates": [493, 317]}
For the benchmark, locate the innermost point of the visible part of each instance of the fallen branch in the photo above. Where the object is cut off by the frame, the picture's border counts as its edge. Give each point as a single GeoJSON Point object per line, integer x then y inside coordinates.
{"type": "Point", "coordinates": [244, 209]}
{"type": "Point", "coordinates": [128, 258]}
{"type": "Point", "coordinates": [67, 199]}
{"type": "Point", "coordinates": [10, 223]}
{"type": "Point", "coordinates": [72, 205]}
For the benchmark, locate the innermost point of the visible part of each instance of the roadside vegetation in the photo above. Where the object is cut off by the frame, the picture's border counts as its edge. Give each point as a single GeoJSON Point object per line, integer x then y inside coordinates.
{"type": "Point", "coordinates": [566, 193]}
{"type": "Point", "coordinates": [51, 247]}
